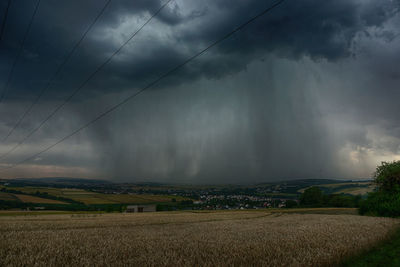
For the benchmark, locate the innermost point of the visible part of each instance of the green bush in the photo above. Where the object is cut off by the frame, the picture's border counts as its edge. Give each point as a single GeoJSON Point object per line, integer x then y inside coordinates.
{"type": "Point", "coordinates": [386, 201]}
{"type": "Point", "coordinates": [387, 176]}
{"type": "Point", "coordinates": [381, 203]}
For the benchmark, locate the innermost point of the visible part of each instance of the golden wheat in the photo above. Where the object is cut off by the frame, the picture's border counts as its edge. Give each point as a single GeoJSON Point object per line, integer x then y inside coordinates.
{"type": "Point", "coordinates": [187, 239]}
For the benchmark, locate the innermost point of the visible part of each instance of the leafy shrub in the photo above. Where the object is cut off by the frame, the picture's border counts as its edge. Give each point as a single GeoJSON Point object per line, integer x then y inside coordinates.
{"type": "Point", "coordinates": [386, 201]}
{"type": "Point", "coordinates": [387, 176]}
{"type": "Point", "coordinates": [381, 203]}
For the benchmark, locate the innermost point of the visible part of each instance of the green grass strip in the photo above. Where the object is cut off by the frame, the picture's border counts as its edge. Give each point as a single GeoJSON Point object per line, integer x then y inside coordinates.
{"type": "Point", "coordinates": [386, 253]}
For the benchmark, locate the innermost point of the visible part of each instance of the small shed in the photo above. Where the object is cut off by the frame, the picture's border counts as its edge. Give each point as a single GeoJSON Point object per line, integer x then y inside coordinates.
{"type": "Point", "coordinates": [140, 208]}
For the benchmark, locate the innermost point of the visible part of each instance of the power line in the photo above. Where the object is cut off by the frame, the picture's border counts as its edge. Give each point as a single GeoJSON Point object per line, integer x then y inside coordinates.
{"type": "Point", "coordinates": [19, 52]}
{"type": "Point", "coordinates": [60, 67]}
{"type": "Point", "coordinates": [84, 83]}
{"type": "Point", "coordinates": [3, 25]}
{"type": "Point", "coordinates": [132, 96]}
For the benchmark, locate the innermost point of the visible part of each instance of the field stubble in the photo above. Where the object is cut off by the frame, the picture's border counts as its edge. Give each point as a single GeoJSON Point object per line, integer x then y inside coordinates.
{"type": "Point", "coordinates": [186, 238]}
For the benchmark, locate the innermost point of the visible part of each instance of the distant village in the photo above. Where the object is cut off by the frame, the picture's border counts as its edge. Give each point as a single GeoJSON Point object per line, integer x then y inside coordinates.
{"type": "Point", "coordinates": [221, 198]}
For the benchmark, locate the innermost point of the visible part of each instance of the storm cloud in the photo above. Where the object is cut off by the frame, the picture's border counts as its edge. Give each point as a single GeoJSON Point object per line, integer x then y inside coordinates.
{"type": "Point", "coordinates": [310, 90]}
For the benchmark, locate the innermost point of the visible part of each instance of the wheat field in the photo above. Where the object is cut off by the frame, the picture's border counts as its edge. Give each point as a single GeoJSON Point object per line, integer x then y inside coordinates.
{"type": "Point", "coordinates": [240, 238]}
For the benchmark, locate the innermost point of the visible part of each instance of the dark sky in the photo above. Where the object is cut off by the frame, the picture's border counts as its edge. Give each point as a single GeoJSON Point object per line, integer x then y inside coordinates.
{"type": "Point", "coordinates": [310, 90]}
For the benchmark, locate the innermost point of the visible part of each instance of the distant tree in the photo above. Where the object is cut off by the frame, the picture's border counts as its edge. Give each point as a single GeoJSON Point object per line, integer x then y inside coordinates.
{"type": "Point", "coordinates": [109, 208]}
{"type": "Point", "coordinates": [387, 176]}
{"type": "Point", "coordinates": [341, 201]}
{"type": "Point", "coordinates": [187, 202]}
{"type": "Point", "coordinates": [312, 196]}
{"type": "Point", "coordinates": [290, 204]}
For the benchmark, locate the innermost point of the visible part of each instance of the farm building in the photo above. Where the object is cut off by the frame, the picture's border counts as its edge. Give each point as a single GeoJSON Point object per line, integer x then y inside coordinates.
{"type": "Point", "coordinates": [140, 208]}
